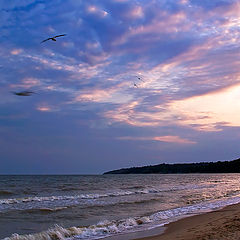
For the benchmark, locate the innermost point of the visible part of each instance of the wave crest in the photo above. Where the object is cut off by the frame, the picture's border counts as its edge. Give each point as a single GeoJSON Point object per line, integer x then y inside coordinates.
{"type": "Point", "coordinates": [103, 228]}
{"type": "Point", "coordinates": [107, 228]}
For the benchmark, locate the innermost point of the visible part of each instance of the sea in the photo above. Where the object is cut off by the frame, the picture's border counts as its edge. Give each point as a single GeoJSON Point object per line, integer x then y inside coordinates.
{"type": "Point", "coordinates": [77, 207]}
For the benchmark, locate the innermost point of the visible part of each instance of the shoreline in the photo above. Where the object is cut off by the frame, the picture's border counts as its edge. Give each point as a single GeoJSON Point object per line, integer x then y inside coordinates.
{"type": "Point", "coordinates": [221, 224]}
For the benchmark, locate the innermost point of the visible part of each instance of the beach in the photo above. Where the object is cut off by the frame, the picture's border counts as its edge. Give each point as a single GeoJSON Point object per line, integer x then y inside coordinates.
{"type": "Point", "coordinates": [223, 224]}
{"type": "Point", "coordinates": [119, 206]}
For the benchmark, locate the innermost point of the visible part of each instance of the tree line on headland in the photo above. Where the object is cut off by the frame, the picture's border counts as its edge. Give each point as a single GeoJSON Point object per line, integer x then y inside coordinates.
{"type": "Point", "coordinates": [202, 167]}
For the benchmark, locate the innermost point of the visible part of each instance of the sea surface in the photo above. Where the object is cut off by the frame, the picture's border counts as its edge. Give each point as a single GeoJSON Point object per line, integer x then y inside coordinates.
{"type": "Point", "coordinates": [99, 206]}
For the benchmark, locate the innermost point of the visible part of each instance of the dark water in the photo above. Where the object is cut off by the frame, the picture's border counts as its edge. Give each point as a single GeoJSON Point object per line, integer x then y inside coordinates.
{"type": "Point", "coordinates": [89, 207]}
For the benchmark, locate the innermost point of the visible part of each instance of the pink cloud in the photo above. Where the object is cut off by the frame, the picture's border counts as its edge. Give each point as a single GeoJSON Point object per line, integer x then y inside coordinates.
{"type": "Point", "coordinates": [27, 82]}
{"type": "Point", "coordinates": [93, 96]}
{"type": "Point", "coordinates": [16, 51]}
{"type": "Point", "coordinates": [136, 12]}
{"type": "Point", "coordinates": [45, 107]}
{"type": "Point", "coordinates": [175, 23]}
{"type": "Point", "coordinates": [111, 94]}
{"type": "Point", "coordinates": [97, 11]}
{"type": "Point", "coordinates": [128, 114]}
{"type": "Point", "coordinates": [168, 139]}
{"type": "Point", "coordinates": [205, 112]}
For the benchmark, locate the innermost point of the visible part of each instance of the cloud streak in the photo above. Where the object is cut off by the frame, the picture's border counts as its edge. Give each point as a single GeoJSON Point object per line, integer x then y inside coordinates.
{"type": "Point", "coordinates": [167, 139]}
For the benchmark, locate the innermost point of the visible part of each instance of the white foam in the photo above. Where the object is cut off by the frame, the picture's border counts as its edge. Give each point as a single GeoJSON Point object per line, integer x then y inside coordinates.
{"type": "Point", "coordinates": [103, 228]}
{"type": "Point", "coordinates": [108, 228]}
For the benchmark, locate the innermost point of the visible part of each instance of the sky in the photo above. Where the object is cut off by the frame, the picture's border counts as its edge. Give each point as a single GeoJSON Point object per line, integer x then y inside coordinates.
{"type": "Point", "coordinates": [132, 83]}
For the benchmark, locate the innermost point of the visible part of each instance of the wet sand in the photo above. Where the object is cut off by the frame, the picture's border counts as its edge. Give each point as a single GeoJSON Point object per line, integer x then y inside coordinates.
{"type": "Point", "coordinates": [222, 224]}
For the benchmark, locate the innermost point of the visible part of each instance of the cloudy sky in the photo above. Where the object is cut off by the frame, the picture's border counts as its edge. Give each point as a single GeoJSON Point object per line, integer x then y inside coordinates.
{"type": "Point", "coordinates": [133, 83]}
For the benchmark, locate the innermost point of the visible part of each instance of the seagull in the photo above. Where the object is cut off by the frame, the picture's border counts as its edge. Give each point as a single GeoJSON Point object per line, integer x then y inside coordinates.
{"type": "Point", "coordinates": [23, 93]}
{"type": "Point", "coordinates": [53, 38]}
{"type": "Point", "coordinates": [135, 85]}
{"type": "Point", "coordinates": [139, 79]}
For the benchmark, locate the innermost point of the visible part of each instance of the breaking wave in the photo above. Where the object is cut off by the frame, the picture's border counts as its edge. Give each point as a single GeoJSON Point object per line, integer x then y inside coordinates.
{"type": "Point", "coordinates": [108, 228]}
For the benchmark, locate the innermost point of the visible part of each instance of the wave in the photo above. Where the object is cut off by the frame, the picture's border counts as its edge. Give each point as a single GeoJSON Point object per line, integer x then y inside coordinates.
{"type": "Point", "coordinates": [108, 228]}
{"type": "Point", "coordinates": [45, 210]}
{"type": "Point", "coordinates": [74, 197]}
{"type": "Point", "coordinates": [94, 195]}
{"type": "Point", "coordinates": [194, 199]}
{"type": "Point", "coordinates": [104, 228]}
{"type": "Point", "coordinates": [67, 189]}
{"type": "Point", "coordinates": [5, 192]}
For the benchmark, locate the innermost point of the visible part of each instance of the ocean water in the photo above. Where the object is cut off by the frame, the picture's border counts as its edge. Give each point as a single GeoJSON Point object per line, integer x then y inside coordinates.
{"type": "Point", "coordinates": [93, 207]}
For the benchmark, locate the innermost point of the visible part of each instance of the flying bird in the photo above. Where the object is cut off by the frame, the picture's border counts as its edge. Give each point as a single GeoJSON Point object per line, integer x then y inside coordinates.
{"type": "Point", "coordinates": [139, 79]}
{"type": "Point", "coordinates": [53, 38]}
{"type": "Point", "coordinates": [135, 85]}
{"type": "Point", "coordinates": [23, 93]}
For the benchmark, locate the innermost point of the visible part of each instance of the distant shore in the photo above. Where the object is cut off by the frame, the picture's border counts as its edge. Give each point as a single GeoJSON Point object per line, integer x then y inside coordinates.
{"type": "Point", "coordinates": [223, 224]}
{"type": "Point", "coordinates": [176, 168]}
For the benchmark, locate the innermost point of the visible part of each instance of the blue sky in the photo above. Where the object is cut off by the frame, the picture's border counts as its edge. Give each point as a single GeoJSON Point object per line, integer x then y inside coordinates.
{"type": "Point", "coordinates": [87, 116]}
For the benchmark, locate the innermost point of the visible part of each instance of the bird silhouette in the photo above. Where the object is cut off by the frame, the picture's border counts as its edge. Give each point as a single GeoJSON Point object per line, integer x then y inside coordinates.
{"type": "Point", "coordinates": [23, 93]}
{"type": "Point", "coordinates": [135, 85]}
{"type": "Point", "coordinates": [139, 79]}
{"type": "Point", "coordinates": [53, 38]}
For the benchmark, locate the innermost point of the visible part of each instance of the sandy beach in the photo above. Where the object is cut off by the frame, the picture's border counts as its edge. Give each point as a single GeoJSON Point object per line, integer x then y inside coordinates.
{"type": "Point", "coordinates": [223, 224]}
